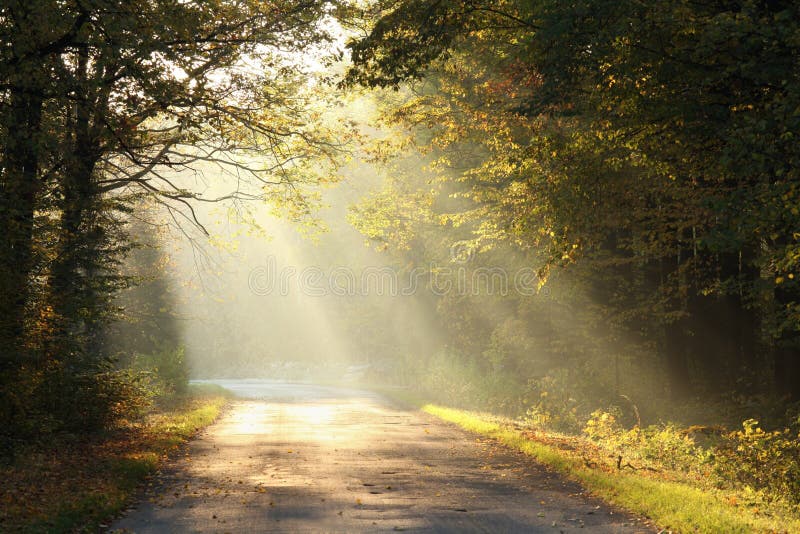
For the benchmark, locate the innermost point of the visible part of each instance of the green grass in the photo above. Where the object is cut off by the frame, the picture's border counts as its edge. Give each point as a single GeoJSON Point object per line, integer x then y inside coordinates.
{"type": "Point", "coordinates": [76, 487]}
{"type": "Point", "coordinates": [676, 506]}
{"type": "Point", "coordinates": [209, 390]}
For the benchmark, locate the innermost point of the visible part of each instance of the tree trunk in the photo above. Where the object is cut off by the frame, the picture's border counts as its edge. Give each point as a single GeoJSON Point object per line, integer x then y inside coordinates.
{"type": "Point", "coordinates": [19, 185]}
{"type": "Point", "coordinates": [749, 319]}
{"type": "Point", "coordinates": [68, 284]}
{"type": "Point", "coordinates": [786, 354]}
{"type": "Point", "coordinates": [676, 346]}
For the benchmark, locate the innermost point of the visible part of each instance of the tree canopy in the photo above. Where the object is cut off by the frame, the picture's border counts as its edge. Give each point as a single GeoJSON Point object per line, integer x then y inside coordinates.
{"type": "Point", "coordinates": [104, 104]}
{"type": "Point", "coordinates": [646, 148]}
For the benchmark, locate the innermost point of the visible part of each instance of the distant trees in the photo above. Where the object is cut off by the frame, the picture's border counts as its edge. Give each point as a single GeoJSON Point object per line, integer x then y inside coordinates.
{"type": "Point", "coordinates": [649, 148]}
{"type": "Point", "coordinates": [105, 102]}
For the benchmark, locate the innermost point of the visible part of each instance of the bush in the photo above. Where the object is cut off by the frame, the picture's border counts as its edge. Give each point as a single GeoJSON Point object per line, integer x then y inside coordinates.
{"type": "Point", "coordinates": [458, 380]}
{"type": "Point", "coordinates": [602, 427]}
{"type": "Point", "coordinates": [758, 460]}
{"type": "Point", "coordinates": [552, 405]}
{"type": "Point", "coordinates": [94, 399]}
{"type": "Point", "coordinates": [663, 446]}
{"type": "Point", "coordinates": [23, 415]}
{"type": "Point", "coordinates": [58, 397]}
{"type": "Point", "coordinates": [761, 460]}
{"type": "Point", "coordinates": [168, 370]}
{"type": "Point", "coordinates": [668, 446]}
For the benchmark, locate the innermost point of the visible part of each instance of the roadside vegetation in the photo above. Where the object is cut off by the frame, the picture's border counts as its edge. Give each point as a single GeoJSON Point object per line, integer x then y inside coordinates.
{"type": "Point", "coordinates": [684, 479]}
{"type": "Point", "coordinates": [78, 482]}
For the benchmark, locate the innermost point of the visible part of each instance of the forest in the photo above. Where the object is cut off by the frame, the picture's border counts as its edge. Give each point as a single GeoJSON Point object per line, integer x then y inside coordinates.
{"type": "Point", "coordinates": [597, 204]}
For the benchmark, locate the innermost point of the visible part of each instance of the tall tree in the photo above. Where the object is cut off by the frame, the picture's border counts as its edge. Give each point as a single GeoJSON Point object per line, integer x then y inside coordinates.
{"type": "Point", "coordinates": [104, 102]}
{"type": "Point", "coordinates": [133, 93]}
{"type": "Point", "coordinates": [662, 130]}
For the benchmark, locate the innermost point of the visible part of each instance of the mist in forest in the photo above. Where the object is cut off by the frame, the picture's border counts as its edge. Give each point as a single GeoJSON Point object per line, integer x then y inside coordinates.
{"type": "Point", "coordinates": [345, 201]}
{"type": "Point", "coordinates": [578, 221]}
{"type": "Point", "coordinates": [321, 299]}
{"type": "Point", "coordinates": [278, 300]}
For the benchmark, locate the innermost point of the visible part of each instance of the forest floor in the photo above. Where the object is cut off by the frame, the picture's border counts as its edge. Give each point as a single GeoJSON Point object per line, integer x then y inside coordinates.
{"type": "Point", "coordinates": [667, 498]}
{"type": "Point", "coordinates": [303, 458]}
{"type": "Point", "coordinates": [75, 483]}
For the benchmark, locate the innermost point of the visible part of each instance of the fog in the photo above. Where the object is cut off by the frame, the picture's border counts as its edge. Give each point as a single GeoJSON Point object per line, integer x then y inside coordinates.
{"type": "Point", "coordinates": [376, 284]}
{"type": "Point", "coordinates": [266, 297]}
{"type": "Point", "coordinates": [419, 253]}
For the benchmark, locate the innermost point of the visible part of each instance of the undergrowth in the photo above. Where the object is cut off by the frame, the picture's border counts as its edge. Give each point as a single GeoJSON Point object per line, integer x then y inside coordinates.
{"type": "Point", "coordinates": [685, 479]}
{"type": "Point", "coordinates": [74, 483]}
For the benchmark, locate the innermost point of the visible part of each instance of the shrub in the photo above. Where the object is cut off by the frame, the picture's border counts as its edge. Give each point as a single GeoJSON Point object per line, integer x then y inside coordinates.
{"type": "Point", "coordinates": [168, 370]}
{"type": "Point", "coordinates": [551, 404]}
{"type": "Point", "coordinates": [761, 460]}
{"type": "Point", "coordinates": [57, 397]}
{"type": "Point", "coordinates": [602, 427]}
{"type": "Point", "coordinates": [663, 446]}
{"type": "Point", "coordinates": [94, 399]}
{"type": "Point", "coordinates": [458, 380]}
{"type": "Point", "coordinates": [667, 445]}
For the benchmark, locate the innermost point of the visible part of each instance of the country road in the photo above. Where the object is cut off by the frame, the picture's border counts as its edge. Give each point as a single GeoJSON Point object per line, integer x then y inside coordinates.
{"type": "Point", "coordinates": [303, 458]}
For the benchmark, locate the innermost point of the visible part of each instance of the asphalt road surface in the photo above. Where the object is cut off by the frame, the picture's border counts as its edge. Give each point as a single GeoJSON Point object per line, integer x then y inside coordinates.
{"type": "Point", "coordinates": [304, 458]}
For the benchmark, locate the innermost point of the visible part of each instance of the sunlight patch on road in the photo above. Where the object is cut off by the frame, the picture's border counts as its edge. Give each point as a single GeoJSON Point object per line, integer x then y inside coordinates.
{"type": "Point", "coordinates": [249, 419]}
{"type": "Point", "coordinates": [312, 414]}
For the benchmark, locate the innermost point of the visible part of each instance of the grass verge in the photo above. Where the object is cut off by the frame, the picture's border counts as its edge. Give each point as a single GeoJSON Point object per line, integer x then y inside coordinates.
{"type": "Point", "coordinates": [74, 484]}
{"type": "Point", "coordinates": [674, 505]}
